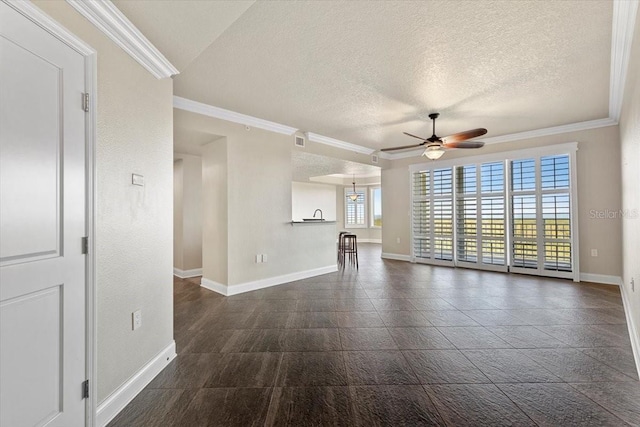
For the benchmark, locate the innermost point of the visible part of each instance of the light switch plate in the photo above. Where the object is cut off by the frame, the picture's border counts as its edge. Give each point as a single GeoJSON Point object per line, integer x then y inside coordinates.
{"type": "Point", "coordinates": [136, 318]}
{"type": "Point", "coordinates": [137, 179]}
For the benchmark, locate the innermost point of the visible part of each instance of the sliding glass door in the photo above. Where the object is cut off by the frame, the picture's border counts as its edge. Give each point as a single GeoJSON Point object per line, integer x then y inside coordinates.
{"type": "Point", "coordinates": [541, 216]}
{"type": "Point", "coordinates": [432, 216]}
{"type": "Point", "coordinates": [513, 214]}
{"type": "Point", "coordinates": [481, 216]}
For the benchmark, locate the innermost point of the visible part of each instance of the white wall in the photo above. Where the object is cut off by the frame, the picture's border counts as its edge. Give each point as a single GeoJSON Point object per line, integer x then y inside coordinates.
{"type": "Point", "coordinates": [133, 224]}
{"type": "Point", "coordinates": [630, 142]}
{"type": "Point", "coordinates": [306, 198]}
{"type": "Point", "coordinates": [188, 219]}
{"type": "Point", "coordinates": [599, 184]}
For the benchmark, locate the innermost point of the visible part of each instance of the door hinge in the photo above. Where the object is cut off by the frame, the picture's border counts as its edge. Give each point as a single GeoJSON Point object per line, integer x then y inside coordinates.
{"type": "Point", "coordinates": [85, 389]}
{"type": "Point", "coordinates": [85, 102]}
{"type": "Point", "coordinates": [85, 245]}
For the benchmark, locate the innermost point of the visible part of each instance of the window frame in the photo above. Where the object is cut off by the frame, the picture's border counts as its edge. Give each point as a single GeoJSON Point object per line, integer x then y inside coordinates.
{"type": "Point", "coordinates": [507, 157]}
{"type": "Point", "coordinates": [371, 209]}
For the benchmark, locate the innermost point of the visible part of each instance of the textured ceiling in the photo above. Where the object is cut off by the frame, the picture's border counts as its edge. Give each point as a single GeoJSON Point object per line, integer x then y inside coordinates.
{"type": "Point", "coordinates": [364, 72]}
{"type": "Point", "coordinates": [307, 165]}
{"type": "Point", "coordinates": [182, 29]}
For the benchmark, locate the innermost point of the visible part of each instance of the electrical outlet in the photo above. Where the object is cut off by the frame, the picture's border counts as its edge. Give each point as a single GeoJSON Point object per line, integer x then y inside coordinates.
{"type": "Point", "coordinates": [136, 318]}
{"type": "Point", "coordinates": [258, 258]}
{"type": "Point", "coordinates": [264, 257]}
{"type": "Point", "coordinates": [594, 252]}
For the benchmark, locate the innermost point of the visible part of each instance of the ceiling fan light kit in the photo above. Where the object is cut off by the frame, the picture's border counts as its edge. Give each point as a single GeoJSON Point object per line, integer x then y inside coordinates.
{"type": "Point", "coordinates": [433, 152]}
{"type": "Point", "coordinates": [435, 146]}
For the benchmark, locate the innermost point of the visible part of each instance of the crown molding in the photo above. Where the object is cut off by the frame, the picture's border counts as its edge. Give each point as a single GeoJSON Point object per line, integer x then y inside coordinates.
{"type": "Point", "coordinates": [339, 144]}
{"type": "Point", "coordinates": [230, 116]}
{"type": "Point", "coordinates": [624, 20]}
{"type": "Point", "coordinates": [243, 119]}
{"type": "Point", "coordinates": [105, 16]}
{"type": "Point", "coordinates": [36, 15]}
{"type": "Point", "coordinates": [554, 130]}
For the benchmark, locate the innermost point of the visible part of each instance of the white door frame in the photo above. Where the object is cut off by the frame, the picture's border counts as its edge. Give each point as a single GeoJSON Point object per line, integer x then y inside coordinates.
{"type": "Point", "coordinates": [37, 16]}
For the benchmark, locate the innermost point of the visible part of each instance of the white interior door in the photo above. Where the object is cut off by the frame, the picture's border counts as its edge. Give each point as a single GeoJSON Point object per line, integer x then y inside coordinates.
{"type": "Point", "coordinates": [42, 222]}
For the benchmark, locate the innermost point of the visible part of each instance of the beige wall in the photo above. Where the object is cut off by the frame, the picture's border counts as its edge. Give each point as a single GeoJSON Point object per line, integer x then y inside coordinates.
{"type": "Point", "coordinates": [599, 184]}
{"type": "Point", "coordinates": [630, 141]}
{"type": "Point", "coordinates": [188, 221]}
{"type": "Point", "coordinates": [215, 234]}
{"type": "Point", "coordinates": [260, 176]}
{"type": "Point", "coordinates": [258, 206]}
{"type": "Point", "coordinates": [396, 231]}
{"type": "Point", "coordinates": [178, 184]}
{"type": "Point", "coordinates": [133, 224]}
{"type": "Point", "coordinates": [306, 198]}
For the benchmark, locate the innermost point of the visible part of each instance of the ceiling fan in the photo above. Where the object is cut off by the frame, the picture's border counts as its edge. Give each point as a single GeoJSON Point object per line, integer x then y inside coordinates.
{"type": "Point", "coordinates": [435, 145]}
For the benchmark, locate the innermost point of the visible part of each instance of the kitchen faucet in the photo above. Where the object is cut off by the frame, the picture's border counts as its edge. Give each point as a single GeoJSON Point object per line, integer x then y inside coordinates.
{"type": "Point", "coordinates": [316, 211]}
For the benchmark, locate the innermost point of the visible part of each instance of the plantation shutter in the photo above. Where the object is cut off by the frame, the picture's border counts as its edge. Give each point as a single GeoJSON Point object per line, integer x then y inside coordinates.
{"type": "Point", "coordinates": [541, 215]}
{"type": "Point", "coordinates": [432, 215]}
{"type": "Point", "coordinates": [421, 215]}
{"type": "Point", "coordinates": [481, 216]}
{"type": "Point", "coordinates": [513, 214]}
{"type": "Point", "coordinates": [355, 210]}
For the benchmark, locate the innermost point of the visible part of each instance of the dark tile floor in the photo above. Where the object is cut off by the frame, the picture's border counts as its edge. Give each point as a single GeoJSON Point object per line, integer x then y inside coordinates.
{"type": "Point", "coordinates": [397, 344]}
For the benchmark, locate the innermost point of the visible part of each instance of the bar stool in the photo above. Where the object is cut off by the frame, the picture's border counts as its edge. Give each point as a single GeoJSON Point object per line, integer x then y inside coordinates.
{"type": "Point", "coordinates": [350, 247]}
{"type": "Point", "coordinates": [341, 247]}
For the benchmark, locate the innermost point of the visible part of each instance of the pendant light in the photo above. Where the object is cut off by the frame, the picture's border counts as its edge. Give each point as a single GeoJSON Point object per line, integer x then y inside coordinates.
{"type": "Point", "coordinates": [354, 196]}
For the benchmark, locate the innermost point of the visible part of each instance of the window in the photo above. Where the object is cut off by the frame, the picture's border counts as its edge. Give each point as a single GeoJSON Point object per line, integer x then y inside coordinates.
{"type": "Point", "coordinates": [433, 215]}
{"type": "Point", "coordinates": [354, 211]}
{"type": "Point", "coordinates": [376, 207]}
{"type": "Point", "coordinates": [513, 214]}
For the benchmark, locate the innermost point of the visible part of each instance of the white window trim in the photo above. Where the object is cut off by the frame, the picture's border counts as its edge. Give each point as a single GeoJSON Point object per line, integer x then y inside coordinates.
{"type": "Point", "coordinates": [348, 190]}
{"type": "Point", "coordinates": [569, 149]}
{"type": "Point", "coordinates": [370, 206]}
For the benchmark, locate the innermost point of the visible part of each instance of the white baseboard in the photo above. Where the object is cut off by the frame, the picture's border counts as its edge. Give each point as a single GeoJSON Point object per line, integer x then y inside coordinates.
{"type": "Point", "coordinates": [633, 330]}
{"type": "Point", "coordinates": [183, 274]}
{"type": "Point", "coordinates": [265, 283]}
{"type": "Point", "coordinates": [397, 257]}
{"type": "Point", "coordinates": [601, 278]}
{"type": "Point", "coordinates": [370, 241]}
{"type": "Point", "coordinates": [116, 402]}
{"type": "Point", "coordinates": [214, 286]}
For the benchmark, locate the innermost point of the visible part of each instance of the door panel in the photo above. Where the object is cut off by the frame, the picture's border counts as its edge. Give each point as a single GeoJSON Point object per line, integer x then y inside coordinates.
{"type": "Point", "coordinates": [30, 163]}
{"type": "Point", "coordinates": [42, 222]}
{"type": "Point", "coordinates": [40, 350]}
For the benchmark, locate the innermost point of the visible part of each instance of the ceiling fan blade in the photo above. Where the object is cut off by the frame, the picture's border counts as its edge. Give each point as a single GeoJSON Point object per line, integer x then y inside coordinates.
{"type": "Point", "coordinates": [403, 147]}
{"type": "Point", "coordinates": [464, 144]}
{"type": "Point", "coordinates": [463, 136]}
{"type": "Point", "coordinates": [419, 137]}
